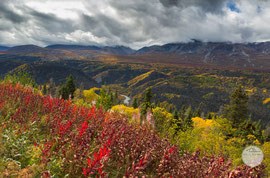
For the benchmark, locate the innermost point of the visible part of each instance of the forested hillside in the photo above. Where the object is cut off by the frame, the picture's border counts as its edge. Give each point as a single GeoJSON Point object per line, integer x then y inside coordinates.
{"type": "Point", "coordinates": [88, 134]}
{"type": "Point", "coordinates": [173, 86]}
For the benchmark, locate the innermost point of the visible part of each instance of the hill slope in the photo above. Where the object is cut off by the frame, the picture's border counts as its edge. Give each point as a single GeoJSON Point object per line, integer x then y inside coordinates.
{"type": "Point", "coordinates": [79, 141]}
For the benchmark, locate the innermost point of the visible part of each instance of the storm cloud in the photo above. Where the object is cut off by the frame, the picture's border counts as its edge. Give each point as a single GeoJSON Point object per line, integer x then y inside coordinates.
{"type": "Point", "coordinates": [132, 23]}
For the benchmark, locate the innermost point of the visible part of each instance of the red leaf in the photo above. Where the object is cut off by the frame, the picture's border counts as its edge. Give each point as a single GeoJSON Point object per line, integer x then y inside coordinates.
{"type": "Point", "coordinates": [100, 171]}
{"type": "Point", "coordinates": [89, 163]}
{"type": "Point", "coordinates": [141, 162]}
{"type": "Point", "coordinates": [96, 157]}
{"type": "Point", "coordinates": [85, 173]}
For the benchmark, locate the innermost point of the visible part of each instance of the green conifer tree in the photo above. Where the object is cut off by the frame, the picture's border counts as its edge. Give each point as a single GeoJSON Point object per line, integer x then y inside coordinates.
{"type": "Point", "coordinates": [70, 86]}
{"type": "Point", "coordinates": [44, 89]}
{"type": "Point", "coordinates": [258, 131]}
{"type": "Point", "coordinates": [197, 112]}
{"type": "Point", "coordinates": [146, 102]}
{"type": "Point", "coordinates": [188, 122]}
{"type": "Point", "coordinates": [236, 112]}
{"type": "Point", "coordinates": [63, 92]}
{"type": "Point", "coordinates": [135, 103]}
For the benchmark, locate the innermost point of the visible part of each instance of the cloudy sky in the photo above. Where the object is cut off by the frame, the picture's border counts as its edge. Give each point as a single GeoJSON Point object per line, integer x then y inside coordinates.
{"type": "Point", "coordinates": [133, 23]}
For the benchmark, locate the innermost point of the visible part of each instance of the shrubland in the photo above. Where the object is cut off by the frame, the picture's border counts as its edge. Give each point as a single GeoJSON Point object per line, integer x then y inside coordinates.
{"type": "Point", "coordinates": [89, 137]}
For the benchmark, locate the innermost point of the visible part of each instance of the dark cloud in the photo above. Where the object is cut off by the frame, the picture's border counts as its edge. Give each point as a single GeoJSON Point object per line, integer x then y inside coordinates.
{"type": "Point", "coordinates": [205, 5]}
{"type": "Point", "coordinates": [7, 13]}
{"type": "Point", "coordinates": [51, 22]}
{"type": "Point", "coordinates": [133, 23]}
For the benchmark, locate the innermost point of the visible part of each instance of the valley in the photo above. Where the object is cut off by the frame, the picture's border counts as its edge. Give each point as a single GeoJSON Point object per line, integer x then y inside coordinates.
{"type": "Point", "coordinates": [204, 76]}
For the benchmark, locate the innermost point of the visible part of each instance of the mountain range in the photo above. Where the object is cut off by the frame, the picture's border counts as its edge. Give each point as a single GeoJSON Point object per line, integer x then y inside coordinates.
{"type": "Point", "coordinates": [240, 55]}
{"type": "Point", "coordinates": [191, 74]}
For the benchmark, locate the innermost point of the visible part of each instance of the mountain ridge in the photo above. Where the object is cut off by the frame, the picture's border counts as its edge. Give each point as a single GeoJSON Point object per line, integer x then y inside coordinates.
{"type": "Point", "coordinates": [243, 55]}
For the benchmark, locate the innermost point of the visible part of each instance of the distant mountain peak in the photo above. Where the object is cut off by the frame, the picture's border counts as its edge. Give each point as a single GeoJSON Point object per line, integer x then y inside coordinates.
{"type": "Point", "coordinates": [4, 48]}
{"type": "Point", "coordinates": [118, 50]}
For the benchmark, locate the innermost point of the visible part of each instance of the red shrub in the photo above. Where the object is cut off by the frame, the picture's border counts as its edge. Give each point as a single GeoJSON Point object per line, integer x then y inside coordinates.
{"type": "Point", "coordinates": [92, 142]}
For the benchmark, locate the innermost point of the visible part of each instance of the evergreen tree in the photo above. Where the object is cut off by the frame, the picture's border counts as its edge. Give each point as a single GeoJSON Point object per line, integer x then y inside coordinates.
{"type": "Point", "coordinates": [175, 115]}
{"type": "Point", "coordinates": [171, 108]}
{"type": "Point", "coordinates": [236, 112]}
{"type": "Point", "coordinates": [44, 89]}
{"type": "Point", "coordinates": [63, 92]}
{"type": "Point", "coordinates": [68, 89]}
{"type": "Point", "coordinates": [247, 128]}
{"type": "Point", "coordinates": [135, 103]}
{"type": "Point", "coordinates": [177, 123]}
{"type": "Point", "coordinates": [188, 122]}
{"type": "Point", "coordinates": [258, 131]}
{"type": "Point", "coordinates": [70, 85]}
{"type": "Point", "coordinates": [148, 95]}
{"type": "Point", "coordinates": [182, 111]}
{"type": "Point", "coordinates": [146, 102]}
{"type": "Point", "coordinates": [209, 116]}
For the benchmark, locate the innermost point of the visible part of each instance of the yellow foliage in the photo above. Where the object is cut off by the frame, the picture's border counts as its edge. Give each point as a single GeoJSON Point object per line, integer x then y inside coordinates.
{"type": "Point", "coordinates": [253, 139]}
{"type": "Point", "coordinates": [170, 95]}
{"type": "Point", "coordinates": [201, 123]}
{"type": "Point", "coordinates": [201, 75]}
{"type": "Point", "coordinates": [161, 112]}
{"type": "Point", "coordinates": [90, 95]}
{"type": "Point", "coordinates": [128, 111]}
{"type": "Point", "coordinates": [40, 93]}
{"type": "Point", "coordinates": [266, 152]}
{"type": "Point", "coordinates": [249, 90]}
{"type": "Point", "coordinates": [266, 100]}
{"type": "Point", "coordinates": [139, 78]}
{"type": "Point", "coordinates": [162, 119]}
{"type": "Point", "coordinates": [85, 98]}
{"type": "Point", "coordinates": [233, 148]}
{"type": "Point", "coordinates": [209, 136]}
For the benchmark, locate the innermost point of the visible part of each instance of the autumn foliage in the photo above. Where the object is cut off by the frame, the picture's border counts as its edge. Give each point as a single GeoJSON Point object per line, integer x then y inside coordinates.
{"type": "Point", "coordinates": [61, 139]}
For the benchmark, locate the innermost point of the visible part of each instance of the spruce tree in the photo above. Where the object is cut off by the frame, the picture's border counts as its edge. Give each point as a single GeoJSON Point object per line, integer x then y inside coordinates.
{"type": "Point", "coordinates": [188, 122]}
{"type": "Point", "coordinates": [148, 95]}
{"type": "Point", "coordinates": [44, 89]}
{"type": "Point", "coordinates": [182, 111]}
{"type": "Point", "coordinates": [236, 112]}
{"type": "Point", "coordinates": [63, 92]}
{"type": "Point", "coordinates": [68, 88]}
{"type": "Point", "coordinates": [146, 102]}
{"type": "Point", "coordinates": [176, 121]}
{"type": "Point", "coordinates": [258, 131]}
{"type": "Point", "coordinates": [135, 103]}
{"type": "Point", "coordinates": [208, 116]}
{"type": "Point", "coordinates": [247, 128]}
{"type": "Point", "coordinates": [175, 115]}
{"type": "Point", "coordinates": [70, 85]}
